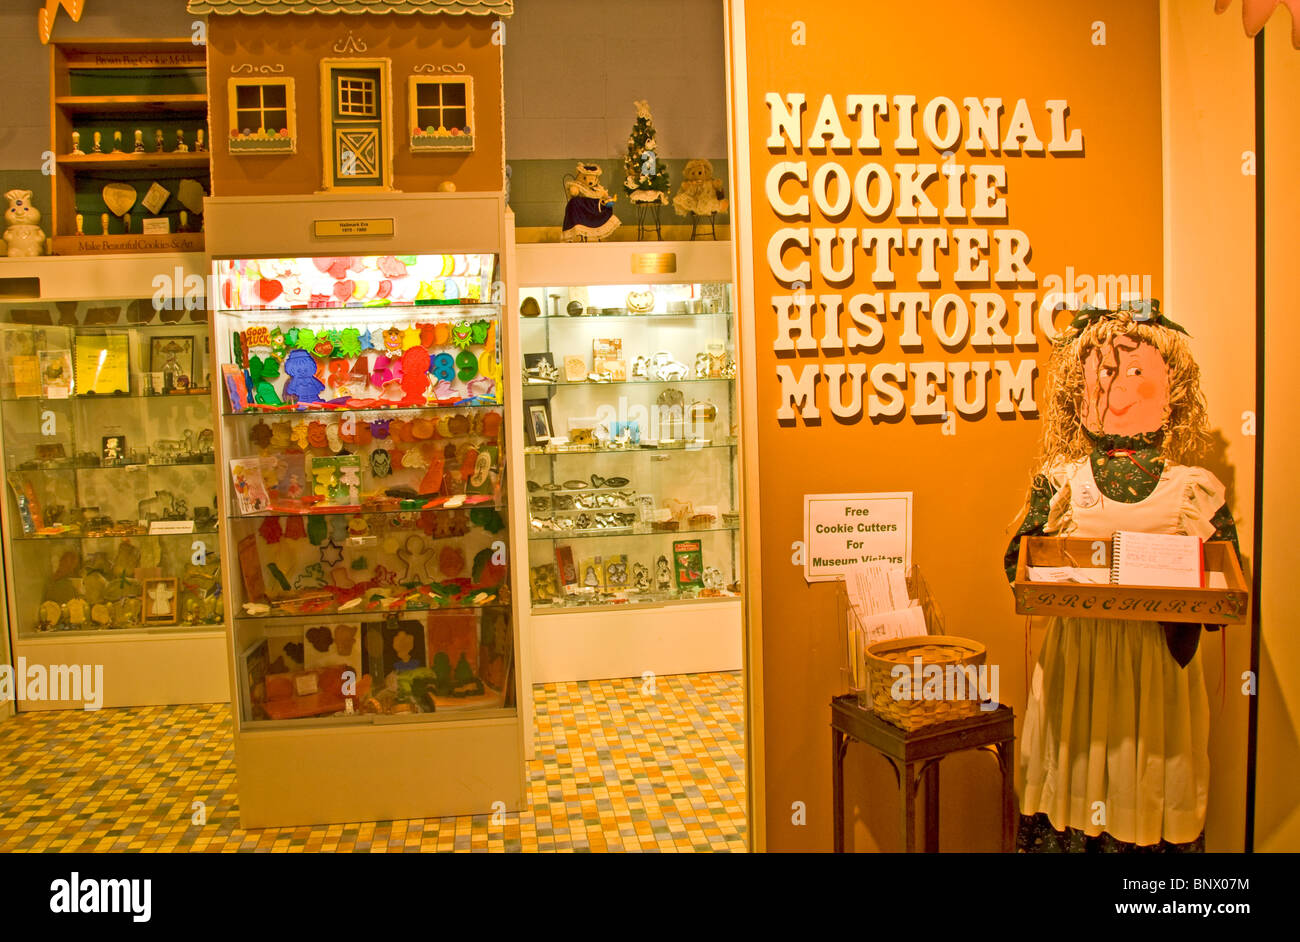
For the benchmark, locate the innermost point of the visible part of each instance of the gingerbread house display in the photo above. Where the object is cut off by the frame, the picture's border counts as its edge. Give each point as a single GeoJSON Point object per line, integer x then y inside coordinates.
{"type": "Point", "coordinates": [310, 96]}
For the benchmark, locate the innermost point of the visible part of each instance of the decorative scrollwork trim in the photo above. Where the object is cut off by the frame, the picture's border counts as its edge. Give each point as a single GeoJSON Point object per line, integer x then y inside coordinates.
{"type": "Point", "coordinates": [350, 44]}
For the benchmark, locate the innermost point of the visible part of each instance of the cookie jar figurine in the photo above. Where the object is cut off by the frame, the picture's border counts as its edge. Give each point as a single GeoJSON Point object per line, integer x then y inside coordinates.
{"type": "Point", "coordinates": [589, 213]}
{"type": "Point", "coordinates": [1115, 745]}
{"type": "Point", "coordinates": [23, 236]}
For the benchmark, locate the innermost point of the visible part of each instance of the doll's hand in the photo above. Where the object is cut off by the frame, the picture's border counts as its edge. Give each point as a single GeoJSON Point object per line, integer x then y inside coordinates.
{"type": "Point", "coordinates": [1182, 640]}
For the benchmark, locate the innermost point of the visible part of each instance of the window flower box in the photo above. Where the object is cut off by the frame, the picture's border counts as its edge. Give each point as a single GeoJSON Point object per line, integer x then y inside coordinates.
{"type": "Point", "coordinates": [262, 142]}
{"type": "Point", "coordinates": [429, 140]}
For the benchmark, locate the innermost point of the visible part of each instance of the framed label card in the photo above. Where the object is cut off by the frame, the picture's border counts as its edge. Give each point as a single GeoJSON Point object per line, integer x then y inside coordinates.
{"type": "Point", "coordinates": [173, 357]}
{"type": "Point", "coordinates": [56, 374]}
{"type": "Point", "coordinates": [102, 364]}
{"type": "Point", "coordinates": [159, 601]}
{"type": "Point", "coordinates": [25, 371]}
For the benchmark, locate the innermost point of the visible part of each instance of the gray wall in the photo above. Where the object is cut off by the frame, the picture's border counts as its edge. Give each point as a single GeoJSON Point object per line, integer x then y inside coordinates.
{"type": "Point", "coordinates": [573, 68]}
{"type": "Point", "coordinates": [25, 86]}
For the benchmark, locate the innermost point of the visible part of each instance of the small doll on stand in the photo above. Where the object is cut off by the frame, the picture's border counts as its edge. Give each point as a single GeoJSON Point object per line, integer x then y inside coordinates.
{"type": "Point", "coordinates": [589, 213]}
{"type": "Point", "coordinates": [1115, 745]}
{"type": "Point", "coordinates": [701, 194]}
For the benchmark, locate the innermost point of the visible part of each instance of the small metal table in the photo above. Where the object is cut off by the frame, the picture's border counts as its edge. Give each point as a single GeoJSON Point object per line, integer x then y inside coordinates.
{"type": "Point", "coordinates": [915, 756]}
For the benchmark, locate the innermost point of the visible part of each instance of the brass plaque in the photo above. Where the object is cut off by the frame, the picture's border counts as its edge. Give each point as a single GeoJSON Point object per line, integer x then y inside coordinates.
{"type": "Point", "coordinates": [654, 263]}
{"type": "Point", "coordinates": [326, 228]}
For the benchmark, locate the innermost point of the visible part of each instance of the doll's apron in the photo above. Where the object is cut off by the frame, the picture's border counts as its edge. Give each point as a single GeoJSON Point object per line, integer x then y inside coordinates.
{"type": "Point", "coordinates": [1116, 735]}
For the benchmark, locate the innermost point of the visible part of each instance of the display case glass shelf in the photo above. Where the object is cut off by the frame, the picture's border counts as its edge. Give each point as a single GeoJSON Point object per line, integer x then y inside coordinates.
{"type": "Point", "coordinates": [622, 314]}
{"type": "Point", "coordinates": [363, 444]}
{"type": "Point", "coordinates": [143, 531]}
{"type": "Point", "coordinates": [630, 382]}
{"type": "Point", "coordinates": [108, 444]}
{"type": "Point", "coordinates": [630, 418]}
{"type": "Point", "coordinates": [622, 531]}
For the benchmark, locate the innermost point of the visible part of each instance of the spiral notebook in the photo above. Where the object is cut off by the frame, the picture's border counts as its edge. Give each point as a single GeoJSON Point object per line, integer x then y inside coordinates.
{"type": "Point", "coordinates": [1157, 559]}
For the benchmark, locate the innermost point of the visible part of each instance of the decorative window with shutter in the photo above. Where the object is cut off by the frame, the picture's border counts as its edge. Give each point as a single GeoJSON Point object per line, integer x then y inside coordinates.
{"type": "Point", "coordinates": [262, 116]}
{"type": "Point", "coordinates": [441, 114]}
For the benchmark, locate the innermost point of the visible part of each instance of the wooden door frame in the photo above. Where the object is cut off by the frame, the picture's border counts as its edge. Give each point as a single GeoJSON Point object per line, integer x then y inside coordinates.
{"type": "Point", "coordinates": [387, 116]}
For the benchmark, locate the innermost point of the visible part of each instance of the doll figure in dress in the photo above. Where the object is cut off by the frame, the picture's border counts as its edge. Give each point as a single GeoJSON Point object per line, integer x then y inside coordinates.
{"type": "Point", "coordinates": [1115, 747]}
{"type": "Point", "coordinates": [663, 574]}
{"type": "Point", "coordinates": [589, 213]}
{"type": "Point", "coordinates": [701, 192]}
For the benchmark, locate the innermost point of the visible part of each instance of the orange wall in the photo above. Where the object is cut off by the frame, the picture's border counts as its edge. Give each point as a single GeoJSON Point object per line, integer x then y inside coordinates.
{"type": "Point", "coordinates": [299, 42]}
{"type": "Point", "coordinates": [1210, 278]}
{"type": "Point", "coordinates": [1101, 214]}
{"type": "Point", "coordinates": [1277, 797]}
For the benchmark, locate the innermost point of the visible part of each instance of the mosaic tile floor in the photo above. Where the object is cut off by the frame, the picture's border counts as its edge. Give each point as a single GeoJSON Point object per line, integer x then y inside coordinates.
{"type": "Point", "coordinates": [617, 768]}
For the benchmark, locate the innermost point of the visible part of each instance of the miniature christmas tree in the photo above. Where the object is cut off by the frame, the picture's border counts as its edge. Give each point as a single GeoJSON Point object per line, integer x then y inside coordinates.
{"type": "Point", "coordinates": [646, 177]}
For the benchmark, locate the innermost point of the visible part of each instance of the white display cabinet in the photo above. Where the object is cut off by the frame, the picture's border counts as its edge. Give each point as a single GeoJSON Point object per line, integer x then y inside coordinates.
{"type": "Point", "coordinates": [628, 411]}
{"type": "Point", "coordinates": [111, 555]}
{"type": "Point", "coordinates": [364, 445]}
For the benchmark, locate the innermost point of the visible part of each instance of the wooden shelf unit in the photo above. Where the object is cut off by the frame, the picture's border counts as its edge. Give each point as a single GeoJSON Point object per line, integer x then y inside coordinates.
{"type": "Point", "coordinates": [129, 161]}
{"type": "Point", "coordinates": [156, 85]}
{"type": "Point", "coordinates": [132, 104]}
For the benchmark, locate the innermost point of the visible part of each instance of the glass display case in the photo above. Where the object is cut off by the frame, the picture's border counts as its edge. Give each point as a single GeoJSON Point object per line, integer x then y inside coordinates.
{"type": "Point", "coordinates": [630, 418]}
{"type": "Point", "coordinates": [112, 556]}
{"type": "Point", "coordinates": [105, 412]}
{"type": "Point", "coordinates": [364, 429]}
{"type": "Point", "coordinates": [363, 437]}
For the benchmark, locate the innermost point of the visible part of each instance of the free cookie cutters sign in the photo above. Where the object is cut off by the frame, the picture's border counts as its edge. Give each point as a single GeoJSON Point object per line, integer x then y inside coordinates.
{"type": "Point", "coordinates": [842, 530]}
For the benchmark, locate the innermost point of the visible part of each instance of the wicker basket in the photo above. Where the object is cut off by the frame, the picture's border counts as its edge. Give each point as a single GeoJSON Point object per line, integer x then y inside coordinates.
{"type": "Point", "coordinates": [915, 711]}
{"type": "Point", "coordinates": [852, 639]}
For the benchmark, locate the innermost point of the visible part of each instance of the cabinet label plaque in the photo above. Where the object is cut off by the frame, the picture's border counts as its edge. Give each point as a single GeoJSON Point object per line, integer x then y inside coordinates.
{"type": "Point", "coordinates": [654, 263]}
{"type": "Point", "coordinates": [163, 527]}
{"type": "Point", "coordinates": [327, 228]}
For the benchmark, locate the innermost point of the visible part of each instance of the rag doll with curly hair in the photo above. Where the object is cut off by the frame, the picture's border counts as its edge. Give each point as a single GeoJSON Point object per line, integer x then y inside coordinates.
{"type": "Point", "coordinates": [1115, 744]}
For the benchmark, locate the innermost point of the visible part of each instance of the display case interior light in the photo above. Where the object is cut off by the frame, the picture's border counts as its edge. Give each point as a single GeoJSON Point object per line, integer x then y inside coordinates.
{"type": "Point", "coordinates": [329, 282]}
{"type": "Point", "coordinates": [612, 296]}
